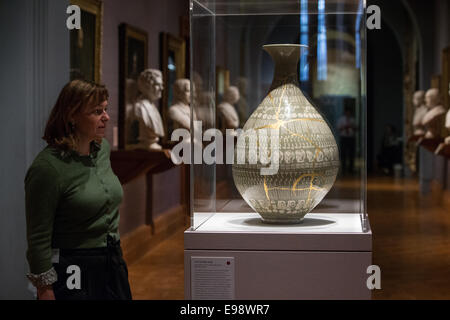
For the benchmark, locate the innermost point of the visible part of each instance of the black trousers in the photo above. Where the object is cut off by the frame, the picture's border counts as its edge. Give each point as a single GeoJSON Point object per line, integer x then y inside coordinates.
{"type": "Point", "coordinates": [92, 274]}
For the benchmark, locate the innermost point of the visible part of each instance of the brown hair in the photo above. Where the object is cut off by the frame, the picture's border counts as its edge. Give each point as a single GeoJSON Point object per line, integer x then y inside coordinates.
{"type": "Point", "coordinates": [73, 98]}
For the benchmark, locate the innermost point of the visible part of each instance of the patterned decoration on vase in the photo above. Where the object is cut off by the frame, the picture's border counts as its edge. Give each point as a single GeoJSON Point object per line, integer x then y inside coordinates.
{"type": "Point", "coordinates": [285, 126]}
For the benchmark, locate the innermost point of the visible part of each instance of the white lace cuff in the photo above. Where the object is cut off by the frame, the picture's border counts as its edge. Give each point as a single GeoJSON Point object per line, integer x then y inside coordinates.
{"type": "Point", "coordinates": [44, 279]}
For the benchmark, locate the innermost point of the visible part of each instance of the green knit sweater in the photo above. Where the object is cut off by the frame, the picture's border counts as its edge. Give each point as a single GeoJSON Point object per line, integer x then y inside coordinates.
{"type": "Point", "coordinates": [72, 201]}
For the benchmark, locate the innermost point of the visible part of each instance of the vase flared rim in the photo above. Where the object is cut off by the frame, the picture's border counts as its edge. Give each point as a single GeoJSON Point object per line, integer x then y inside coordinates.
{"type": "Point", "coordinates": [285, 45]}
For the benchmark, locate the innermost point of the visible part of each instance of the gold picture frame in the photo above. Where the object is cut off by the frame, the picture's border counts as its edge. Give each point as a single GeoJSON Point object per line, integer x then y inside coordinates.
{"type": "Point", "coordinates": [222, 84]}
{"type": "Point", "coordinates": [445, 79]}
{"type": "Point", "coordinates": [86, 43]}
{"type": "Point", "coordinates": [133, 59]}
{"type": "Point", "coordinates": [173, 67]}
{"type": "Point", "coordinates": [436, 81]}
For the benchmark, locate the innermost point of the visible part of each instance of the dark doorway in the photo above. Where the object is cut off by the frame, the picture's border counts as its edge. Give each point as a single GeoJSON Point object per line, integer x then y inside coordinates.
{"type": "Point", "coordinates": [384, 90]}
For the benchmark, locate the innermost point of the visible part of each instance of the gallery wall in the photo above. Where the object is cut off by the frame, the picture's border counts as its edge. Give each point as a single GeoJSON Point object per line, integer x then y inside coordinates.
{"type": "Point", "coordinates": [428, 22]}
{"type": "Point", "coordinates": [442, 32]}
{"type": "Point", "coordinates": [154, 17]}
{"type": "Point", "coordinates": [35, 66]}
{"type": "Point", "coordinates": [433, 20]}
{"type": "Point", "coordinates": [385, 89]}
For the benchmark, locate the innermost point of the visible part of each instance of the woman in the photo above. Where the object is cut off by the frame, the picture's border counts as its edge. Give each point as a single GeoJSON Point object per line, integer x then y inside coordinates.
{"type": "Point", "coordinates": [72, 202]}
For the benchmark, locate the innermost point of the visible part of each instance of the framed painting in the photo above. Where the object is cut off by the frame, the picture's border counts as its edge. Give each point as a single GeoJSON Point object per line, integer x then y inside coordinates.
{"type": "Point", "coordinates": [133, 59]}
{"type": "Point", "coordinates": [436, 81]}
{"type": "Point", "coordinates": [173, 67]}
{"type": "Point", "coordinates": [445, 80]}
{"type": "Point", "coordinates": [185, 34]}
{"type": "Point", "coordinates": [222, 82]}
{"type": "Point", "coordinates": [86, 43]}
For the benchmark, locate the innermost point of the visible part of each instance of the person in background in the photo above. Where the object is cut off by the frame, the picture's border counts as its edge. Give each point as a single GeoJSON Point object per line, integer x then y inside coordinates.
{"type": "Point", "coordinates": [390, 153]}
{"type": "Point", "coordinates": [72, 203]}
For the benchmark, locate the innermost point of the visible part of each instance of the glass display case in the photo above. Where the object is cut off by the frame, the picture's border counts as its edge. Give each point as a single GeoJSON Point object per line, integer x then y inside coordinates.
{"type": "Point", "coordinates": [277, 85]}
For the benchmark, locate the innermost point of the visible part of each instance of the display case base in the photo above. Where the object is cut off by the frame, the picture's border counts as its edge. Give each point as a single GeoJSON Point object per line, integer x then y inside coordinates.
{"type": "Point", "coordinates": [236, 256]}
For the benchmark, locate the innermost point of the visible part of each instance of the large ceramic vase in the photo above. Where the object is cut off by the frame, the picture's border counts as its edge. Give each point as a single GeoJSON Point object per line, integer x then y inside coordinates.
{"type": "Point", "coordinates": [308, 157]}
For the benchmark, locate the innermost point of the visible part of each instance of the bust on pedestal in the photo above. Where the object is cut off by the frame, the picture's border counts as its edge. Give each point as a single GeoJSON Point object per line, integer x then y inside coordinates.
{"type": "Point", "coordinates": [445, 146]}
{"type": "Point", "coordinates": [419, 113]}
{"type": "Point", "coordinates": [227, 110]}
{"type": "Point", "coordinates": [434, 118]}
{"type": "Point", "coordinates": [447, 122]}
{"type": "Point", "coordinates": [447, 126]}
{"type": "Point", "coordinates": [146, 114]}
{"type": "Point", "coordinates": [180, 111]}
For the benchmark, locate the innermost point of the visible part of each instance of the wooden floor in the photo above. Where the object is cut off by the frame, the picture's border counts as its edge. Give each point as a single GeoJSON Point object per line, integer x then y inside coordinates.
{"type": "Point", "coordinates": [411, 244]}
{"type": "Point", "coordinates": [411, 241]}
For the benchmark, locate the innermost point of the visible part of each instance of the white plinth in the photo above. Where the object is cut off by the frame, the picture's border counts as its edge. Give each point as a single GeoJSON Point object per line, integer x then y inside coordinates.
{"type": "Point", "coordinates": [325, 257]}
{"type": "Point", "coordinates": [251, 222]}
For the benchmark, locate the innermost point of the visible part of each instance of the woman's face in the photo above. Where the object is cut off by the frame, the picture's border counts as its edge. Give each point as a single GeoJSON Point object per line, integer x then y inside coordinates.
{"type": "Point", "coordinates": [91, 122]}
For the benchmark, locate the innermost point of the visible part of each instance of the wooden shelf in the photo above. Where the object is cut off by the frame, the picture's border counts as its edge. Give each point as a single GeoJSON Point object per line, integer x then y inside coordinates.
{"type": "Point", "coordinates": [414, 138]}
{"type": "Point", "coordinates": [430, 144]}
{"type": "Point", "coordinates": [130, 164]}
{"type": "Point", "coordinates": [444, 150]}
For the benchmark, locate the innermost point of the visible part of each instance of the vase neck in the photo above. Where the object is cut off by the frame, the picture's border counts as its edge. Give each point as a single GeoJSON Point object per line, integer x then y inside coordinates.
{"type": "Point", "coordinates": [285, 58]}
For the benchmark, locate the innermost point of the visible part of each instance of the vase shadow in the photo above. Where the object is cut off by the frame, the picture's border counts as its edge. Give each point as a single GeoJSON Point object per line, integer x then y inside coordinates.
{"type": "Point", "coordinates": [306, 223]}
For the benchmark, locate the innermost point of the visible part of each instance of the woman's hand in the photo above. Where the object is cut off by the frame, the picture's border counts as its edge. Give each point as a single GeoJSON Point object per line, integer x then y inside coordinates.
{"type": "Point", "coordinates": [46, 293]}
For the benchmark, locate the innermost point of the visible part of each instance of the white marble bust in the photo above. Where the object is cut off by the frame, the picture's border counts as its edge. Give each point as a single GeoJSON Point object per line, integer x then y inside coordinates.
{"type": "Point", "coordinates": [447, 121]}
{"type": "Point", "coordinates": [180, 111]}
{"type": "Point", "coordinates": [203, 102]}
{"type": "Point", "coordinates": [150, 85]}
{"type": "Point", "coordinates": [433, 119]}
{"type": "Point", "coordinates": [420, 111]}
{"type": "Point", "coordinates": [447, 126]}
{"type": "Point", "coordinates": [227, 110]}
